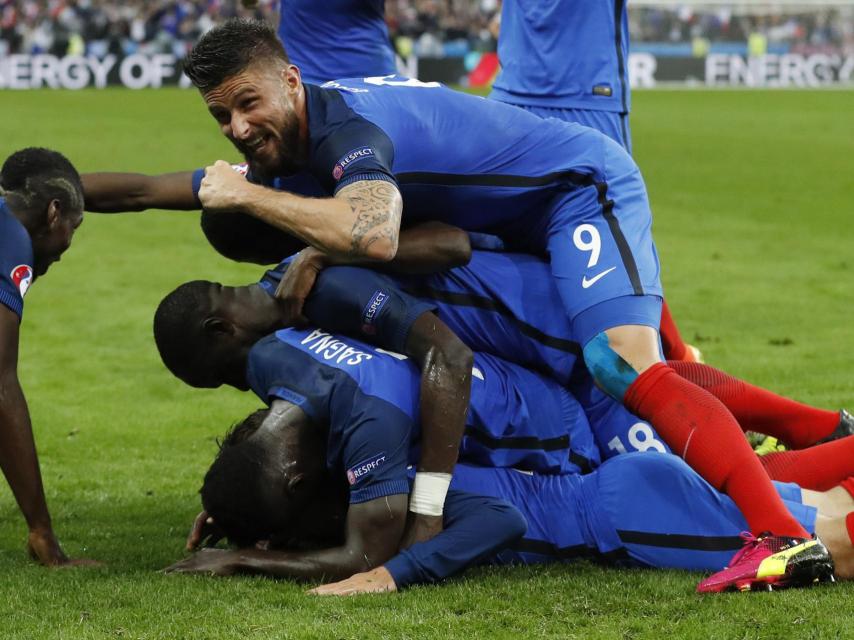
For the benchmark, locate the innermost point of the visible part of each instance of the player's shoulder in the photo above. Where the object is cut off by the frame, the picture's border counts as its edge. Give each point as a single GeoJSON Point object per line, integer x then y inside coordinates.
{"type": "Point", "coordinates": [15, 243]}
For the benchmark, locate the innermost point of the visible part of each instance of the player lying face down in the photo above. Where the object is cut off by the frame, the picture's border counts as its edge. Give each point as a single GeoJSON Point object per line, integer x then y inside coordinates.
{"type": "Point", "coordinates": [636, 510]}
{"type": "Point", "coordinates": [363, 403]}
{"type": "Point", "coordinates": [41, 205]}
{"type": "Point", "coordinates": [269, 483]}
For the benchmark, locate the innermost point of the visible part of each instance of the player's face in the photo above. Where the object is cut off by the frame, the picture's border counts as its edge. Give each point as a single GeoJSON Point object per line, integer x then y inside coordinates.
{"type": "Point", "coordinates": [54, 239]}
{"type": "Point", "coordinates": [257, 110]}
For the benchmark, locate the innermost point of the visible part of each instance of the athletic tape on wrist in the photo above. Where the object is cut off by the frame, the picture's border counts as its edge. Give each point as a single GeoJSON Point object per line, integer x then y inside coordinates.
{"type": "Point", "coordinates": [428, 493]}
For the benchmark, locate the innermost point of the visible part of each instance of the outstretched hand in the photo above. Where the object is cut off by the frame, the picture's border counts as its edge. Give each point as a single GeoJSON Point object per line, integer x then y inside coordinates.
{"type": "Point", "coordinates": [44, 548]}
{"type": "Point", "coordinates": [216, 562]}
{"type": "Point", "coordinates": [297, 283]}
{"type": "Point", "coordinates": [377, 580]}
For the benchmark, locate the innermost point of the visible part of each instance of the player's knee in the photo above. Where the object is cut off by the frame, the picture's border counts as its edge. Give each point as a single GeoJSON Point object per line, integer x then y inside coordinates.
{"type": "Point", "coordinates": [611, 372]}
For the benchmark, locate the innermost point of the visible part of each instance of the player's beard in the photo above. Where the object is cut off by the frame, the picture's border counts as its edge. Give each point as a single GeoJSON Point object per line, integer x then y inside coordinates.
{"type": "Point", "coordinates": [290, 155]}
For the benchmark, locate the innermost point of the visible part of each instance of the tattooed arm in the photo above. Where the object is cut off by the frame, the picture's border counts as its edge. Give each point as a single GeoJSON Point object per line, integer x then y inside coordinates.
{"type": "Point", "coordinates": [361, 222]}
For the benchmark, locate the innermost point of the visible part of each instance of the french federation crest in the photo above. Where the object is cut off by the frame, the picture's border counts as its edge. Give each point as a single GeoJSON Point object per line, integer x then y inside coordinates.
{"type": "Point", "coordinates": [22, 276]}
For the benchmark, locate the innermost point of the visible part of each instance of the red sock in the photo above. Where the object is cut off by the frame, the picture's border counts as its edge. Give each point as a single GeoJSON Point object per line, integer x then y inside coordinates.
{"type": "Point", "coordinates": [700, 429]}
{"type": "Point", "coordinates": [849, 524]}
{"type": "Point", "coordinates": [818, 468]}
{"type": "Point", "coordinates": [671, 340]}
{"type": "Point", "coordinates": [848, 485]}
{"type": "Point", "coordinates": [756, 409]}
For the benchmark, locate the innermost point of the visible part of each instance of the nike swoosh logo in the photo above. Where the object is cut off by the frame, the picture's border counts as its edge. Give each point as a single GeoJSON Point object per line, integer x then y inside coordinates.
{"type": "Point", "coordinates": [585, 283]}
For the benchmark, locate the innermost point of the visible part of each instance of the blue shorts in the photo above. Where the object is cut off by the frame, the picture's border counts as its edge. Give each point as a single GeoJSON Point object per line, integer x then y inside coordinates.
{"type": "Point", "coordinates": [599, 241]}
{"type": "Point", "coordinates": [637, 509]}
{"type": "Point", "coordinates": [613, 124]}
{"type": "Point", "coordinates": [616, 430]}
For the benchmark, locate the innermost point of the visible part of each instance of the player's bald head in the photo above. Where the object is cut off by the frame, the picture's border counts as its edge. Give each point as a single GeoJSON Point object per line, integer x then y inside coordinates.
{"type": "Point", "coordinates": [231, 48]}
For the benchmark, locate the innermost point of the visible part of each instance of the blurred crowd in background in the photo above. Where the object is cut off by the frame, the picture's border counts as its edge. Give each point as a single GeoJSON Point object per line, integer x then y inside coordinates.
{"type": "Point", "coordinates": [426, 28]}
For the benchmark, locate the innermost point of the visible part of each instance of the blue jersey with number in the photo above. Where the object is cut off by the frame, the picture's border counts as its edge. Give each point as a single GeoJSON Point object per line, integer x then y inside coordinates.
{"type": "Point", "coordinates": [565, 54]}
{"type": "Point", "coordinates": [336, 38]}
{"type": "Point", "coordinates": [16, 260]}
{"type": "Point", "coordinates": [515, 417]}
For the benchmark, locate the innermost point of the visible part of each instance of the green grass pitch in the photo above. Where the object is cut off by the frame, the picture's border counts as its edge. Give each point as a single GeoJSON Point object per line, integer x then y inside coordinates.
{"type": "Point", "coordinates": [752, 194]}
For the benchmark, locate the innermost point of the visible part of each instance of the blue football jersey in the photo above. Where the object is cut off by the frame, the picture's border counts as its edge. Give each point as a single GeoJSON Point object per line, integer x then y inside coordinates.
{"type": "Point", "coordinates": [500, 303]}
{"type": "Point", "coordinates": [16, 260]}
{"type": "Point", "coordinates": [336, 38]}
{"type": "Point", "coordinates": [515, 417]}
{"type": "Point", "coordinates": [475, 163]}
{"type": "Point", "coordinates": [564, 54]}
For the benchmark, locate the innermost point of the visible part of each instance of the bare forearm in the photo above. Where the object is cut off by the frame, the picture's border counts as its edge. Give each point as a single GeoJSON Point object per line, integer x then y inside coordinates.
{"type": "Point", "coordinates": [446, 365]}
{"type": "Point", "coordinates": [430, 248]}
{"type": "Point", "coordinates": [18, 458]}
{"type": "Point", "coordinates": [445, 391]}
{"type": "Point", "coordinates": [325, 564]}
{"type": "Point", "coordinates": [362, 221]}
{"type": "Point", "coordinates": [119, 192]}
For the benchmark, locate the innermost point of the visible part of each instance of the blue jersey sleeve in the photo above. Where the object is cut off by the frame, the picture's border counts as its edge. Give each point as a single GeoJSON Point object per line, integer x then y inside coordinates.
{"type": "Point", "coordinates": [16, 261]}
{"type": "Point", "coordinates": [348, 148]}
{"type": "Point", "coordinates": [358, 302]}
{"type": "Point", "coordinates": [374, 445]}
{"type": "Point", "coordinates": [475, 527]}
{"type": "Point", "coordinates": [364, 304]}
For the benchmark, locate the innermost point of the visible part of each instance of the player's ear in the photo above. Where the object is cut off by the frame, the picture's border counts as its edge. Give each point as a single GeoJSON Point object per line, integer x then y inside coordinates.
{"type": "Point", "coordinates": [54, 213]}
{"type": "Point", "coordinates": [291, 78]}
{"type": "Point", "coordinates": [213, 325]}
{"type": "Point", "coordinates": [295, 482]}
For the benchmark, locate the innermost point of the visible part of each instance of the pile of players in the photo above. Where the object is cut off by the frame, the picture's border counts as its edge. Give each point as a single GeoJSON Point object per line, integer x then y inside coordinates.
{"type": "Point", "coordinates": [455, 246]}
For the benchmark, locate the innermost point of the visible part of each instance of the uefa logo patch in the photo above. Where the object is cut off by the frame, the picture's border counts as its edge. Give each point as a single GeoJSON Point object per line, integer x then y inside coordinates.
{"type": "Point", "coordinates": [349, 158]}
{"type": "Point", "coordinates": [356, 472]}
{"type": "Point", "coordinates": [371, 310]}
{"type": "Point", "coordinates": [22, 276]}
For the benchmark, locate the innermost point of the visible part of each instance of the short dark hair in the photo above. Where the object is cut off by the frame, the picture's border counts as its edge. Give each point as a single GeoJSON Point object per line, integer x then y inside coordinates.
{"type": "Point", "coordinates": [229, 49]}
{"type": "Point", "coordinates": [37, 175]}
{"type": "Point", "coordinates": [178, 326]}
{"type": "Point", "coordinates": [245, 428]}
{"type": "Point", "coordinates": [233, 493]}
{"type": "Point", "coordinates": [244, 238]}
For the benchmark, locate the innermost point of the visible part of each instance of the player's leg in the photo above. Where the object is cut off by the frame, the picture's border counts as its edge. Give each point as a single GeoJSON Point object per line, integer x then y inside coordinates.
{"type": "Point", "coordinates": [819, 468]}
{"type": "Point", "coordinates": [756, 409]}
{"type": "Point", "coordinates": [836, 502]}
{"type": "Point", "coordinates": [606, 270]}
{"type": "Point", "coordinates": [665, 515]}
{"type": "Point", "coordinates": [615, 125]}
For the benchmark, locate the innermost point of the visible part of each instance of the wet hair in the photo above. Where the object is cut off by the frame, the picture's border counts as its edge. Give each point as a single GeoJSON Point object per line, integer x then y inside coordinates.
{"type": "Point", "coordinates": [229, 49]}
{"type": "Point", "coordinates": [178, 327]}
{"type": "Point", "coordinates": [36, 176]}
{"type": "Point", "coordinates": [233, 492]}
{"type": "Point", "coordinates": [243, 238]}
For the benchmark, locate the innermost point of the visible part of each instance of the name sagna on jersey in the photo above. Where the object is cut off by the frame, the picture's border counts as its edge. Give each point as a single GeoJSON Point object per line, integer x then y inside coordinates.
{"type": "Point", "coordinates": [331, 348]}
